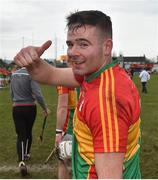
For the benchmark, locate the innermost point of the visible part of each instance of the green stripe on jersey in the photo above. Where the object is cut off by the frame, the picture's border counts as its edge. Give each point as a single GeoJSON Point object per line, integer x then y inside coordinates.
{"type": "Point", "coordinates": [80, 168]}
{"type": "Point", "coordinates": [132, 167]}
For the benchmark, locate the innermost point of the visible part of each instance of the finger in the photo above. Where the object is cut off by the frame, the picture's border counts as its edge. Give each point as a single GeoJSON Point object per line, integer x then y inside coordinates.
{"type": "Point", "coordinates": [28, 57]}
{"type": "Point", "coordinates": [20, 60]}
{"type": "Point", "coordinates": [24, 57]}
{"type": "Point", "coordinates": [33, 54]}
{"type": "Point", "coordinates": [44, 47]}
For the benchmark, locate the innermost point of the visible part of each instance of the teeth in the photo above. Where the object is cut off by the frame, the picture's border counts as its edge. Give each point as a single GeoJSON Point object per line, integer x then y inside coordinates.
{"type": "Point", "coordinates": [77, 63]}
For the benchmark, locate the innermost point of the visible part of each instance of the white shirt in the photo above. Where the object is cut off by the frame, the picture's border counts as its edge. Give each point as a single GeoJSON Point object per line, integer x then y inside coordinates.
{"type": "Point", "coordinates": [144, 76]}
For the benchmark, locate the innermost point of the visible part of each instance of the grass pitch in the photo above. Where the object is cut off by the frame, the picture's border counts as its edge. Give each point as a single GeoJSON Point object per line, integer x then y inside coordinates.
{"type": "Point", "coordinates": [39, 152]}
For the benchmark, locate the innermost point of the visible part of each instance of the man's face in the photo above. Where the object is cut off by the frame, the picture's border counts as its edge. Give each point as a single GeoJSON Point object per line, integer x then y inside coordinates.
{"type": "Point", "coordinates": [85, 50]}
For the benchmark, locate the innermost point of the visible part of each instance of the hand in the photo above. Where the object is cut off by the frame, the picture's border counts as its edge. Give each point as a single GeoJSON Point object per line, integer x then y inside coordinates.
{"type": "Point", "coordinates": [58, 139]}
{"type": "Point", "coordinates": [46, 112]}
{"type": "Point", "coordinates": [31, 54]}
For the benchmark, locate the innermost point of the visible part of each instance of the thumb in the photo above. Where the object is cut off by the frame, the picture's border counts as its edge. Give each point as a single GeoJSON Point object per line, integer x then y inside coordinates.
{"type": "Point", "coordinates": [45, 46]}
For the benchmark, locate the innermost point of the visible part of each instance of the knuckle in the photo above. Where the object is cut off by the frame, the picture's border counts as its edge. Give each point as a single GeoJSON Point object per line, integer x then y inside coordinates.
{"type": "Point", "coordinates": [34, 56]}
{"type": "Point", "coordinates": [22, 51]}
{"type": "Point", "coordinates": [29, 47]}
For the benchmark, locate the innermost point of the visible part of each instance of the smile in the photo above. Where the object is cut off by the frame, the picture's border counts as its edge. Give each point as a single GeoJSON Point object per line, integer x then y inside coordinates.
{"type": "Point", "coordinates": [77, 63]}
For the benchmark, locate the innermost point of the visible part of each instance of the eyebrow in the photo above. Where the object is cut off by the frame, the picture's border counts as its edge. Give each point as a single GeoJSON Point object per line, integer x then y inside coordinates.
{"type": "Point", "coordinates": [79, 39]}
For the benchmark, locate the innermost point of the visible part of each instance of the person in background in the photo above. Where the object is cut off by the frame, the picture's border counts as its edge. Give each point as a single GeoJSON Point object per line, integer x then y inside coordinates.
{"type": "Point", "coordinates": [24, 91]}
{"type": "Point", "coordinates": [67, 101]}
{"type": "Point", "coordinates": [106, 129]}
{"type": "Point", "coordinates": [144, 77]}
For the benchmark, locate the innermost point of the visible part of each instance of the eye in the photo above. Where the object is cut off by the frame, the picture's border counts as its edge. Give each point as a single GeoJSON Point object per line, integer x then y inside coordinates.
{"type": "Point", "coordinates": [83, 44]}
{"type": "Point", "coordinates": [69, 45]}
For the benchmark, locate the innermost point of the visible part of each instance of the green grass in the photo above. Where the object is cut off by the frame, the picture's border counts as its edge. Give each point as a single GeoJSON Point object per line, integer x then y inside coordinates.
{"type": "Point", "coordinates": [149, 116]}
{"type": "Point", "coordinates": [8, 157]}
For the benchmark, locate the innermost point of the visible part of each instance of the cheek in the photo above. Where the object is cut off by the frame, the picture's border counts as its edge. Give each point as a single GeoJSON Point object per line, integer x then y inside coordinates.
{"type": "Point", "coordinates": [92, 64]}
{"type": "Point", "coordinates": [93, 58]}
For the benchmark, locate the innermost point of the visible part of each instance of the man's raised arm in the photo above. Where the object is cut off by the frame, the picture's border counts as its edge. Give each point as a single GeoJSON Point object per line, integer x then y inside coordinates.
{"type": "Point", "coordinates": [40, 70]}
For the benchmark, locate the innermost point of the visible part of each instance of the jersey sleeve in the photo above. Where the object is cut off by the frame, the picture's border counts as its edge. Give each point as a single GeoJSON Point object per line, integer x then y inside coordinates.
{"type": "Point", "coordinates": [113, 113]}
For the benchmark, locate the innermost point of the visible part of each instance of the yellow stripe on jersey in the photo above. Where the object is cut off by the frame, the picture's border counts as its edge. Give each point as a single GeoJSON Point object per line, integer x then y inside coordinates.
{"type": "Point", "coordinates": [84, 139]}
{"type": "Point", "coordinates": [102, 112]}
{"type": "Point", "coordinates": [132, 141]}
{"type": "Point", "coordinates": [107, 89]}
{"type": "Point", "coordinates": [72, 99]}
{"type": "Point", "coordinates": [107, 86]}
{"type": "Point", "coordinates": [114, 110]}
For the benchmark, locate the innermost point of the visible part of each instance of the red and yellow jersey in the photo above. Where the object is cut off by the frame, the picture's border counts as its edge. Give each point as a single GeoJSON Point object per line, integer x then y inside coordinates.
{"type": "Point", "coordinates": [72, 102]}
{"type": "Point", "coordinates": [72, 95]}
{"type": "Point", "coordinates": [107, 119]}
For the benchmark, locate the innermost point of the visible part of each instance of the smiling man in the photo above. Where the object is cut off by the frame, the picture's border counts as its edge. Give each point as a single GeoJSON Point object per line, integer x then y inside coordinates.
{"type": "Point", "coordinates": [106, 141]}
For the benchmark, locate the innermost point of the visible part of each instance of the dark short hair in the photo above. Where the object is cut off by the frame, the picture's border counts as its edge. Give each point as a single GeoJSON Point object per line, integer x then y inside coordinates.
{"type": "Point", "coordinates": [90, 17]}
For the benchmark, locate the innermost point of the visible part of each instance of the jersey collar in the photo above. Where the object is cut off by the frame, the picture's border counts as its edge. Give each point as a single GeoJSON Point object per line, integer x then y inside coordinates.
{"type": "Point", "coordinates": [97, 73]}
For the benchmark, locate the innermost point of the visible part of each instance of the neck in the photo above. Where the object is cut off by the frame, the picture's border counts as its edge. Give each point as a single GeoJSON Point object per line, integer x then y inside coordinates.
{"type": "Point", "coordinates": [104, 63]}
{"type": "Point", "coordinates": [107, 61]}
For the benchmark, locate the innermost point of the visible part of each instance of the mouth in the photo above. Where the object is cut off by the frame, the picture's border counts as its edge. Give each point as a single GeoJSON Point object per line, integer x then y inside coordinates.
{"type": "Point", "coordinates": [77, 63]}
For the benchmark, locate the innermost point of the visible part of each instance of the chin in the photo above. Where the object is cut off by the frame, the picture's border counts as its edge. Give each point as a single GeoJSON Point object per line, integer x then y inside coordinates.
{"type": "Point", "coordinates": [78, 72]}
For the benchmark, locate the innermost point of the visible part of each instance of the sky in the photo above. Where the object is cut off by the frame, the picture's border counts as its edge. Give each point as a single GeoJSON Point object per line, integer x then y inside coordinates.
{"type": "Point", "coordinates": [32, 22]}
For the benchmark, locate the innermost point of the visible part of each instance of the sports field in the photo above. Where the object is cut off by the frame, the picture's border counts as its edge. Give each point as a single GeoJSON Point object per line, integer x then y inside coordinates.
{"type": "Point", "coordinates": [36, 166]}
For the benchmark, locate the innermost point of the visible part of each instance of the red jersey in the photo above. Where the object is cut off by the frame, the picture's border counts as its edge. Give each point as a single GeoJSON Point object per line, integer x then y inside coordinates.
{"type": "Point", "coordinates": [72, 102]}
{"type": "Point", "coordinates": [107, 119]}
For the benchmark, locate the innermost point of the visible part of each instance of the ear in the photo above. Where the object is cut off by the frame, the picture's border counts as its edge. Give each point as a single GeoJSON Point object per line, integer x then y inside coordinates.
{"type": "Point", "coordinates": [108, 47]}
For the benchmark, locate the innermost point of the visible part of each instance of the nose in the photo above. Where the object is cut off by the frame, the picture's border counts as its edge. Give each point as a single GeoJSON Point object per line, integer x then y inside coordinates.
{"type": "Point", "coordinates": [73, 58]}
{"type": "Point", "coordinates": [73, 51]}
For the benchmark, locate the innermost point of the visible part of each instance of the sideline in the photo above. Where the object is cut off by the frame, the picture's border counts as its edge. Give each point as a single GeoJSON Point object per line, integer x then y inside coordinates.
{"type": "Point", "coordinates": [31, 168]}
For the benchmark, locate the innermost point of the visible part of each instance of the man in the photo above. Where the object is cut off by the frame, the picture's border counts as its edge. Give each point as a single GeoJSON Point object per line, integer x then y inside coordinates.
{"type": "Point", "coordinates": [24, 92]}
{"type": "Point", "coordinates": [67, 101]}
{"type": "Point", "coordinates": [107, 118]}
{"type": "Point", "coordinates": [145, 77]}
